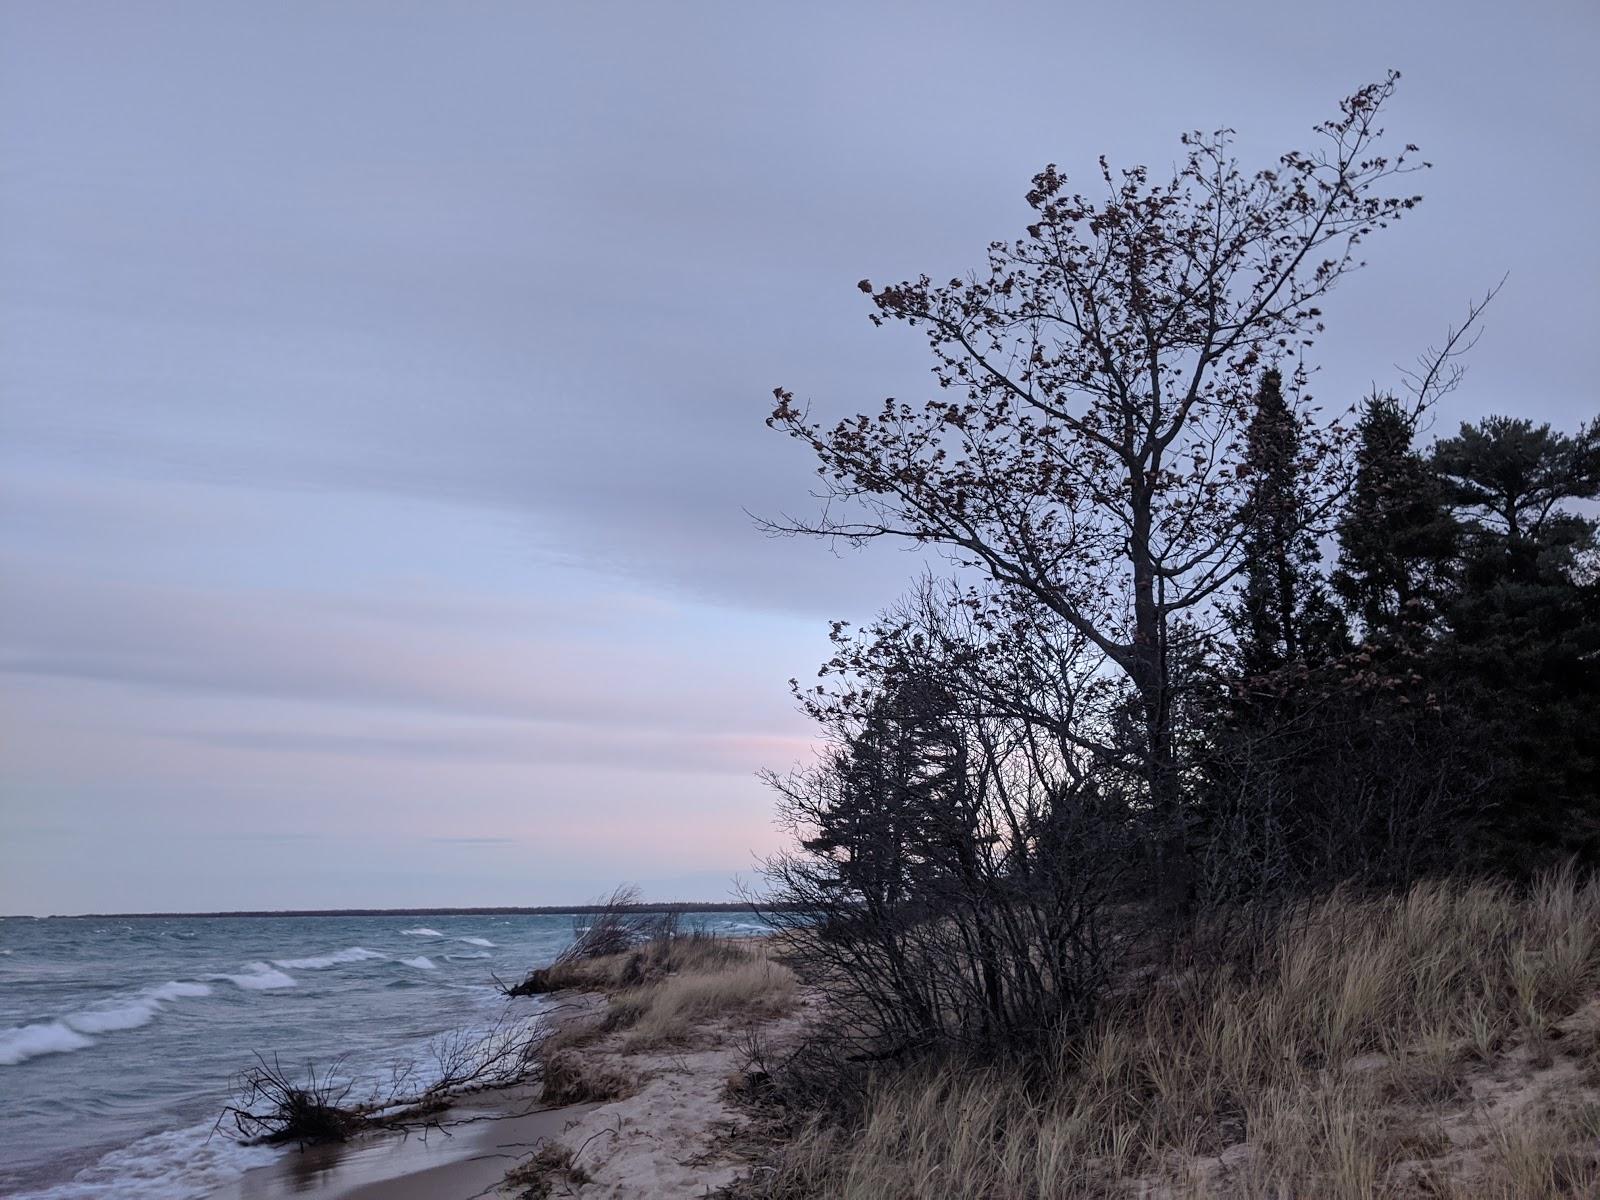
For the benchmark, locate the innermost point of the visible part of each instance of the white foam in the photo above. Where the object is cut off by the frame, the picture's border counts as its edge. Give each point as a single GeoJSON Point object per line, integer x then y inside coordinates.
{"type": "Point", "coordinates": [421, 962]}
{"type": "Point", "coordinates": [108, 1020]}
{"type": "Point", "coordinates": [465, 957]}
{"type": "Point", "coordinates": [178, 989]}
{"type": "Point", "coordinates": [261, 978]}
{"type": "Point", "coordinates": [182, 1164]}
{"type": "Point", "coordinates": [422, 931]}
{"type": "Point", "coordinates": [354, 954]}
{"type": "Point", "coordinates": [30, 1041]}
{"type": "Point", "coordinates": [473, 941]}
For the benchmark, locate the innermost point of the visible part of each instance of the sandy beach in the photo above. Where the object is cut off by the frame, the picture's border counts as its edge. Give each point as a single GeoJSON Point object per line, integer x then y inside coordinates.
{"type": "Point", "coordinates": [669, 1131]}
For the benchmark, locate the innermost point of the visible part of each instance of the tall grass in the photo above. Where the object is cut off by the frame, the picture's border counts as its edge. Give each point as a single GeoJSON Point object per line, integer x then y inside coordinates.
{"type": "Point", "coordinates": [1331, 1066]}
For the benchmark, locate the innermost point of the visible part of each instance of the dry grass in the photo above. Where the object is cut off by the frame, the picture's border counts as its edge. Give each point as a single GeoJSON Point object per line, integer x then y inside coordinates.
{"type": "Point", "coordinates": [668, 991]}
{"type": "Point", "coordinates": [567, 1077]}
{"type": "Point", "coordinates": [1359, 1062]}
{"type": "Point", "coordinates": [549, 1167]}
{"type": "Point", "coordinates": [674, 1009]}
{"type": "Point", "coordinates": [645, 963]}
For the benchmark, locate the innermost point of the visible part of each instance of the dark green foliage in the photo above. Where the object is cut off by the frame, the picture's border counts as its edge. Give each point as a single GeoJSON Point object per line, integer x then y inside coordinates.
{"type": "Point", "coordinates": [1523, 640]}
{"type": "Point", "coordinates": [1282, 615]}
{"type": "Point", "coordinates": [1508, 478]}
{"type": "Point", "coordinates": [1397, 538]}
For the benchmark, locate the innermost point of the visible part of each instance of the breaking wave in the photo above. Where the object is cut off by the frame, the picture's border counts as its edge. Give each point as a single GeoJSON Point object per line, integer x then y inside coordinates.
{"type": "Point", "coordinates": [30, 1041]}
{"type": "Point", "coordinates": [354, 954]}
{"type": "Point", "coordinates": [69, 1033]}
{"type": "Point", "coordinates": [260, 977]}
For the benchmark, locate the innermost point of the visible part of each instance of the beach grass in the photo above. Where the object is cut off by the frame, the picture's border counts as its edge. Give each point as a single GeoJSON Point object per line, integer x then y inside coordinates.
{"type": "Point", "coordinates": [1444, 1043]}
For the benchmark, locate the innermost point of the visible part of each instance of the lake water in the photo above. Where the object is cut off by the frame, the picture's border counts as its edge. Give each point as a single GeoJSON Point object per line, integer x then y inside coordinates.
{"type": "Point", "coordinates": [119, 1037]}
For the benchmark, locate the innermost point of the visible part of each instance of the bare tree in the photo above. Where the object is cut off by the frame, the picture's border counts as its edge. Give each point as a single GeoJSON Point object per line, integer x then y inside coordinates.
{"type": "Point", "coordinates": [1097, 379]}
{"type": "Point", "coordinates": [958, 845]}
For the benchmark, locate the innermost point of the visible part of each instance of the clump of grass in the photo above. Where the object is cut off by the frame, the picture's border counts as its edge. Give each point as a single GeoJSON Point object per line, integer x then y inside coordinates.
{"type": "Point", "coordinates": [664, 952]}
{"type": "Point", "coordinates": [607, 933]}
{"type": "Point", "coordinates": [1318, 1073]}
{"type": "Point", "coordinates": [672, 1009]}
{"type": "Point", "coordinates": [567, 1077]}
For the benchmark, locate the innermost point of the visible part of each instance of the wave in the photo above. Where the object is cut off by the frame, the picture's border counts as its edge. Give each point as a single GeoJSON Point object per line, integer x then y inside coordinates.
{"type": "Point", "coordinates": [465, 957]}
{"type": "Point", "coordinates": [260, 978]}
{"type": "Point", "coordinates": [177, 990]}
{"type": "Point", "coordinates": [181, 1162]}
{"type": "Point", "coordinates": [109, 1020]}
{"type": "Point", "coordinates": [476, 941]}
{"type": "Point", "coordinates": [68, 1033]}
{"type": "Point", "coordinates": [354, 954]}
{"type": "Point", "coordinates": [421, 962]}
{"type": "Point", "coordinates": [30, 1041]}
{"type": "Point", "coordinates": [421, 931]}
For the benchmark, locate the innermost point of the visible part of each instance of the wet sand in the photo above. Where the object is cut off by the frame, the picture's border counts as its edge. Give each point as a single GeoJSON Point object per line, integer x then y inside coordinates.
{"type": "Point", "coordinates": [485, 1135]}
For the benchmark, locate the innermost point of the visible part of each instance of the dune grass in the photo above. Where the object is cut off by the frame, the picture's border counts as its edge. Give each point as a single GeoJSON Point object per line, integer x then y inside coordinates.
{"type": "Point", "coordinates": [672, 1010]}
{"type": "Point", "coordinates": [667, 991]}
{"type": "Point", "coordinates": [1422, 1045]}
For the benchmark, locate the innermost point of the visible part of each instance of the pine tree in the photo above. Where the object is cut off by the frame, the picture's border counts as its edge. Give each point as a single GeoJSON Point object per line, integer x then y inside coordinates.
{"type": "Point", "coordinates": [1524, 629]}
{"type": "Point", "coordinates": [1509, 478]}
{"type": "Point", "coordinates": [1397, 537]}
{"type": "Point", "coordinates": [1282, 615]}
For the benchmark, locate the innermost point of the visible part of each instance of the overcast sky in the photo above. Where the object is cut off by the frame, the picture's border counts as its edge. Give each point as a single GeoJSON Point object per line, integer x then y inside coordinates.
{"type": "Point", "coordinates": [382, 387]}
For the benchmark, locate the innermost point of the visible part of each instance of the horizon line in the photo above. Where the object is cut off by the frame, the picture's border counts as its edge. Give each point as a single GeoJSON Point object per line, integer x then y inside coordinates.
{"type": "Point", "coordinates": [662, 906]}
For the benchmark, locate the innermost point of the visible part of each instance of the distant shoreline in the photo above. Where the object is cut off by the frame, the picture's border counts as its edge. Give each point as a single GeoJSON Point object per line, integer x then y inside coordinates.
{"type": "Point", "coordinates": [543, 910]}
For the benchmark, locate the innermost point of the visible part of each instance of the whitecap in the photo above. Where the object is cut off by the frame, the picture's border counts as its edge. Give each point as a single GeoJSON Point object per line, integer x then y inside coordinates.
{"type": "Point", "coordinates": [261, 978]}
{"type": "Point", "coordinates": [421, 931]}
{"type": "Point", "coordinates": [131, 1014]}
{"type": "Point", "coordinates": [354, 954]}
{"type": "Point", "coordinates": [108, 1020]}
{"type": "Point", "coordinates": [421, 962]}
{"type": "Point", "coordinates": [30, 1041]}
{"type": "Point", "coordinates": [177, 989]}
{"type": "Point", "coordinates": [465, 957]}
{"type": "Point", "coordinates": [475, 941]}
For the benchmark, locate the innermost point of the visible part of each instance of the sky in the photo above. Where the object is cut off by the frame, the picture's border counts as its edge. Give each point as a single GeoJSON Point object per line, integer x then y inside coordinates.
{"type": "Point", "coordinates": [382, 388]}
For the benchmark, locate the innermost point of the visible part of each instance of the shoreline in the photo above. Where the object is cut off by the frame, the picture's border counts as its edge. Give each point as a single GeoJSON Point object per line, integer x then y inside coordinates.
{"type": "Point", "coordinates": [652, 1116]}
{"type": "Point", "coordinates": [481, 1139]}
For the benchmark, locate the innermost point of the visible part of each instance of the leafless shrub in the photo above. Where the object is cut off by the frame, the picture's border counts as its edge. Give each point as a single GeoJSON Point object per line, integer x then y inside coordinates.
{"type": "Point", "coordinates": [611, 931]}
{"type": "Point", "coordinates": [273, 1104]}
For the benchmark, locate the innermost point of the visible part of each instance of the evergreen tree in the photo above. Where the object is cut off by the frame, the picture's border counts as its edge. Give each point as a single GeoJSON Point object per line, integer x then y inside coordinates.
{"type": "Point", "coordinates": [1508, 478]}
{"type": "Point", "coordinates": [1282, 615]}
{"type": "Point", "coordinates": [1524, 640]}
{"type": "Point", "coordinates": [1397, 537]}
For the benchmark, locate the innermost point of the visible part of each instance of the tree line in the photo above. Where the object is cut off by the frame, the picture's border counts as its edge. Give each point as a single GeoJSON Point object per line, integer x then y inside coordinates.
{"type": "Point", "coordinates": [1203, 648]}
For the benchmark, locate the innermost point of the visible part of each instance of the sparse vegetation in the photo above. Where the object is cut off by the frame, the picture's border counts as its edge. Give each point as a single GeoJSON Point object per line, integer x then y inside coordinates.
{"type": "Point", "coordinates": [610, 929]}
{"type": "Point", "coordinates": [1365, 1048]}
{"type": "Point", "coordinates": [664, 990]}
{"type": "Point", "coordinates": [549, 1167]}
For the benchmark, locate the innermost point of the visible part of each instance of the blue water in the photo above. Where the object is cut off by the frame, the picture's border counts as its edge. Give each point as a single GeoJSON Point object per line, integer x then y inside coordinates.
{"type": "Point", "coordinates": [119, 1038]}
